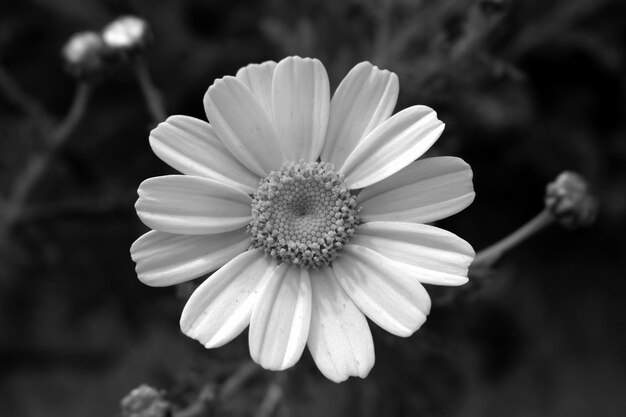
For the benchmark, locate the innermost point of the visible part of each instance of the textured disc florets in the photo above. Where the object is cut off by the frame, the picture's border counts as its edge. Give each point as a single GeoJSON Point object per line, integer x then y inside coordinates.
{"type": "Point", "coordinates": [303, 214]}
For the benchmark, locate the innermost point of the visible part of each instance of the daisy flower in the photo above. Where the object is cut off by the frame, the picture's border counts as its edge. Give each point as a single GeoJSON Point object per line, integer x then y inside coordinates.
{"type": "Point", "coordinates": [311, 210]}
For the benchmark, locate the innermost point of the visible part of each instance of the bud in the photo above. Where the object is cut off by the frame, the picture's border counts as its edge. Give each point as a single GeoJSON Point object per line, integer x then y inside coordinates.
{"type": "Point", "coordinates": [83, 54]}
{"type": "Point", "coordinates": [145, 401]}
{"type": "Point", "coordinates": [570, 201]}
{"type": "Point", "coordinates": [126, 35]}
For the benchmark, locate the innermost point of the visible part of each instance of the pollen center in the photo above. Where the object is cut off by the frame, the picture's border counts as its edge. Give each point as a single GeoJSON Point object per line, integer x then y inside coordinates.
{"type": "Point", "coordinates": [303, 214]}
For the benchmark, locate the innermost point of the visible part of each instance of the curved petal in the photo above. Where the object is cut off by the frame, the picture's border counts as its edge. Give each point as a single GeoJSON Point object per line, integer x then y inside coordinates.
{"type": "Point", "coordinates": [220, 308]}
{"type": "Point", "coordinates": [301, 101]}
{"type": "Point", "coordinates": [394, 144]}
{"type": "Point", "coordinates": [281, 317]}
{"type": "Point", "coordinates": [243, 125]}
{"type": "Point", "coordinates": [434, 255]}
{"type": "Point", "coordinates": [340, 340]}
{"type": "Point", "coordinates": [382, 289]}
{"type": "Point", "coordinates": [189, 205]}
{"type": "Point", "coordinates": [167, 259]}
{"type": "Point", "coordinates": [258, 78]}
{"type": "Point", "coordinates": [428, 190]}
{"type": "Point", "coordinates": [191, 146]}
{"type": "Point", "coordinates": [365, 98]}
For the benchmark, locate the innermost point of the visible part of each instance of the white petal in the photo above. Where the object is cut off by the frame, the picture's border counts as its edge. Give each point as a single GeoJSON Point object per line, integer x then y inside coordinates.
{"type": "Point", "coordinates": [427, 190]}
{"type": "Point", "coordinates": [281, 317]}
{"type": "Point", "coordinates": [191, 146]}
{"type": "Point", "coordinates": [167, 259]}
{"type": "Point", "coordinates": [220, 308]}
{"type": "Point", "coordinates": [365, 98]}
{"type": "Point", "coordinates": [189, 205]}
{"type": "Point", "coordinates": [258, 78]}
{"type": "Point", "coordinates": [382, 289]}
{"type": "Point", "coordinates": [340, 340]}
{"type": "Point", "coordinates": [301, 101]}
{"type": "Point", "coordinates": [434, 255]}
{"type": "Point", "coordinates": [243, 125]}
{"type": "Point", "coordinates": [394, 144]}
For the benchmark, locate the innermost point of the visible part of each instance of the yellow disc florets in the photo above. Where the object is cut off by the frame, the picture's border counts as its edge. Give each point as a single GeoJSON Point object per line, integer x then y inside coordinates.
{"type": "Point", "coordinates": [303, 214]}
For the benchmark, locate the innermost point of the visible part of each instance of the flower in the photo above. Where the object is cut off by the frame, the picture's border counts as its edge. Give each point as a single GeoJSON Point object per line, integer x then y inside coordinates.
{"type": "Point", "coordinates": [270, 199]}
{"type": "Point", "coordinates": [83, 54]}
{"type": "Point", "coordinates": [126, 34]}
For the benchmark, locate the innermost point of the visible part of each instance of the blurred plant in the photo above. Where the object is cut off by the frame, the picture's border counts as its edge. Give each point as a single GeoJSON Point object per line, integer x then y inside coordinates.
{"type": "Point", "coordinates": [209, 396]}
{"type": "Point", "coordinates": [443, 51]}
{"type": "Point", "coordinates": [83, 57]}
{"type": "Point", "coordinates": [84, 54]}
{"type": "Point", "coordinates": [126, 38]}
{"type": "Point", "coordinates": [145, 401]}
{"type": "Point", "coordinates": [568, 201]}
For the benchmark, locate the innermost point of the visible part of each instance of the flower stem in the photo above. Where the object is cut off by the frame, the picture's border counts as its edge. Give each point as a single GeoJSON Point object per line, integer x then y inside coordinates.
{"type": "Point", "coordinates": [16, 95]}
{"type": "Point", "coordinates": [489, 256]}
{"type": "Point", "coordinates": [273, 397]}
{"type": "Point", "coordinates": [73, 116]}
{"type": "Point", "coordinates": [151, 94]}
{"type": "Point", "coordinates": [38, 164]}
{"type": "Point", "coordinates": [234, 383]}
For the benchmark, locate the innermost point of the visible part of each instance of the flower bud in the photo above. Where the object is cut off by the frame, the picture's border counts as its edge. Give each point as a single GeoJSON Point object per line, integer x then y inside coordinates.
{"type": "Point", "coordinates": [570, 201]}
{"type": "Point", "coordinates": [145, 401]}
{"type": "Point", "coordinates": [126, 35]}
{"type": "Point", "coordinates": [83, 54]}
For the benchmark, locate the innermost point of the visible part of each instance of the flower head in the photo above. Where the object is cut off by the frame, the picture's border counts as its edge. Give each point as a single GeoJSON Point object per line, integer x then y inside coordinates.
{"type": "Point", "coordinates": [311, 210]}
{"type": "Point", "coordinates": [126, 34]}
{"type": "Point", "coordinates": [83, 54]}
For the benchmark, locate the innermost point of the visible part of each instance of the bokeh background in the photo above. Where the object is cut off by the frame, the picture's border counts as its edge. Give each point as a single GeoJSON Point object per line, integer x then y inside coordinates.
{"type": "Point", "coordinates": [527, 89]}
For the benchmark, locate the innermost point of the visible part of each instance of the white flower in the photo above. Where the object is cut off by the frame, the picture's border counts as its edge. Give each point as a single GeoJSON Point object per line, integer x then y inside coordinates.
{"type": "Point", "coordinates": [126, 33]}
{"type": "Point", "coordinates": [269, 200]}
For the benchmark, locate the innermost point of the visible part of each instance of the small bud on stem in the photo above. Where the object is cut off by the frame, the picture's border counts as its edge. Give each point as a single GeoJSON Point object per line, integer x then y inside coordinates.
{"type": "Point", "coordinates": [570, 201]}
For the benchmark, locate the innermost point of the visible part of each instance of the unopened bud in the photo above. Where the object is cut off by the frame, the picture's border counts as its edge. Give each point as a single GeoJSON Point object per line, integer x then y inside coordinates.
{"type": "Point", "coordinates": [570, 201]}
{"type": "Point", "coordinates": [126, 35]}
{"type": "Point", "coordinates": [83, 54]}
{"type": "Point", "coordinates": [145, 401]}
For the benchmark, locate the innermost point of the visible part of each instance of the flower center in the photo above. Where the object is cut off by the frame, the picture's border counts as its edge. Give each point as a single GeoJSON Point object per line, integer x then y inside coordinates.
{"type": "Point", "coordinates": [303, 214]}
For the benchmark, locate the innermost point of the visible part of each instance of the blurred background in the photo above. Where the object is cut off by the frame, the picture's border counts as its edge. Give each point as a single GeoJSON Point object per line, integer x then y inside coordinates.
{"type": "Point", "coordinates": [527, 89]}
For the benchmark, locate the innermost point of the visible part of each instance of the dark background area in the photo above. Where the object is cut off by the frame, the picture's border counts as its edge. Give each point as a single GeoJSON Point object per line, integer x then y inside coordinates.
{"type": "Point", "coordinates": [527, 89]}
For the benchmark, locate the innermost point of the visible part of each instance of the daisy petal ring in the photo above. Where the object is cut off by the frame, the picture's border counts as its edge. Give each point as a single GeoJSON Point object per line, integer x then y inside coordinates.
{"type": "Point", "coordinates": [312, 212]}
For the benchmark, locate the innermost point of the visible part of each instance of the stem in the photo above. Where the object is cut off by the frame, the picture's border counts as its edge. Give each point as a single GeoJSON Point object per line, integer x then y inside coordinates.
{"type": "Point", "coordinates": [272, 398]}
{"type": "Point", "coordinates": [73, 116]}
{"type": "Point", "coordinates": [489, 256]}
{"type": "Point", "coordinates": [234, 383]}
{"type": "Point", "coordinates": [15, 94]}
{"type": "Point", "coordinates": [199, 408]}
{"type": "Point", "coordinates": [39, 162]}
{"type": "Point", "coordinates": [151, 94]}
